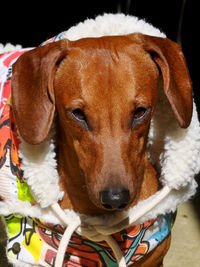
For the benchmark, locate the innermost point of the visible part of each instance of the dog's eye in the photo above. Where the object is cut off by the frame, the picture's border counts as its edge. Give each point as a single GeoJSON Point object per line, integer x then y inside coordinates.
{"type": "Point", "coordinates": [79, 116]}
{"type": "Point", "coordinates": [138, 115]}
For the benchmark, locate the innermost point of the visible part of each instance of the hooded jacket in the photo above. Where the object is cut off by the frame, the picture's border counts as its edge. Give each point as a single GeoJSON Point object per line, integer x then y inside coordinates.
{"type": "Point", "coordinates": [37, 232]}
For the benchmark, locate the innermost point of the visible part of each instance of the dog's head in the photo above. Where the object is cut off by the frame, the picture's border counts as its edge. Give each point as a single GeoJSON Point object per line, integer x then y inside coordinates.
{"type": "Point", "coordinates": [105, 92]}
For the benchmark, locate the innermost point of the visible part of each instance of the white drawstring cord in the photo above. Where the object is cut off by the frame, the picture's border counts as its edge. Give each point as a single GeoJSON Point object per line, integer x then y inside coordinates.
{"type": "Point", "coordinates": [163, 193]}
{"type": "Point", "coordinates": [71, 227]}
{"type": "Point", "coordinates": [64, 243]}
{"type": "Point", "coordinates": [99, 232]}
{"type": "Point", "coordinates": [116, 250]}
{"type": "Point", "coordinates": [61, 214]}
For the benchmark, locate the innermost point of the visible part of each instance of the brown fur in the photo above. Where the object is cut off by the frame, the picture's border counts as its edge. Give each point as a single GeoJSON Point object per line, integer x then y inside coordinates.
{"type": "Point", "coordinates": [107, 78]}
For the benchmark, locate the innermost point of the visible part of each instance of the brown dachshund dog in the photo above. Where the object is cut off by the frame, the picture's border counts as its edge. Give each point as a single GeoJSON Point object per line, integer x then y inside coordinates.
{"type": "Point", "coordinates": [102, 93]}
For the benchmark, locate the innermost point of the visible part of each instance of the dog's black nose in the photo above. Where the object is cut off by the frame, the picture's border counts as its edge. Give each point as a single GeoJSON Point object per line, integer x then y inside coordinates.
{"type": "Point", "coordinates": [114, 198]}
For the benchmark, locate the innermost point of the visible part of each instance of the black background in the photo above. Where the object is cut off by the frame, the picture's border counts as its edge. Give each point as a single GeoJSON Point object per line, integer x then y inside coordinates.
{"type": "Point", "coordinates": [30, 23]}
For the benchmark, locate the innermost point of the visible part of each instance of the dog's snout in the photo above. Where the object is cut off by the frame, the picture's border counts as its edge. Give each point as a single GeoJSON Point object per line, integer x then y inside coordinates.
{"type": "Point", "coordinates": [114, 198]}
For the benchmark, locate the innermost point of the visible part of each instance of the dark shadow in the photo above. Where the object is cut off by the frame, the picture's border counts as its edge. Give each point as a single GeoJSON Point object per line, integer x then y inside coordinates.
{"type": "Point", "coordinates": [3, 240]}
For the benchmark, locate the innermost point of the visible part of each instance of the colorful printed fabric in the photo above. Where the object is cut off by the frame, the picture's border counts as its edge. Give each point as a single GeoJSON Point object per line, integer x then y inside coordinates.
{"type": "Point", "coordinates": [6, 62]}
{"type": "Point", "coordinates": [32, 241]}
{"type": "Point", "coordinates": [53, 39]}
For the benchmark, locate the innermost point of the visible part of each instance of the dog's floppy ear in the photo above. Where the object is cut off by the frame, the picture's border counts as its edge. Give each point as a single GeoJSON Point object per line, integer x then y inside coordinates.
{"type": "Point", "coordinates": [177, 84]}
{"type": "Point", "coordinates": [32, 90]}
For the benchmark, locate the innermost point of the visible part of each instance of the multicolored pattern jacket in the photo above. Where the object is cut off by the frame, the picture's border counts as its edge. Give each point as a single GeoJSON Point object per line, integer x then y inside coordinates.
{"type": "Point", "coordinates": [34, 241]}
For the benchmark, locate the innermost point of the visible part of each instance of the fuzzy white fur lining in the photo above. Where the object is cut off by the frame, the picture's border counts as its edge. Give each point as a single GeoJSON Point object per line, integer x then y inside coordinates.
{"type": "Point", "coordinates": [111, 24]}
{"type": "Point", "coordinates": [175, 150]}
{"type": "Point", "coordinates": [40, 171]}
{"type": "Point", "coordinates": [9, 47]}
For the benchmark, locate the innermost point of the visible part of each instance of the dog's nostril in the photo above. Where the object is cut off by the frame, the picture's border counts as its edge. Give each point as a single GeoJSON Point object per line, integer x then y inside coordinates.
{"type": "Point", "coordinates": [113, 199]}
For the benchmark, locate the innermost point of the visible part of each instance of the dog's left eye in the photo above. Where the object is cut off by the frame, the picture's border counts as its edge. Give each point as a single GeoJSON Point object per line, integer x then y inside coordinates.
{"type": "Point", "coordinates": [138, 115]}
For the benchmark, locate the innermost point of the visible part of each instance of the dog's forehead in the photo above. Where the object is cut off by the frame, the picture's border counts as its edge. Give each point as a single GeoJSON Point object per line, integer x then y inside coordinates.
{"type": "Point", "coordinates": [107, 68]}
{"type": "Point", "coordinates": [103, 42]}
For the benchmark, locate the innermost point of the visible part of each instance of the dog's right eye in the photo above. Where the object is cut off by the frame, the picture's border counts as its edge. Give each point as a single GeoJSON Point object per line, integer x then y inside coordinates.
{"type": "Point", "coordinates": [79, 116]}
